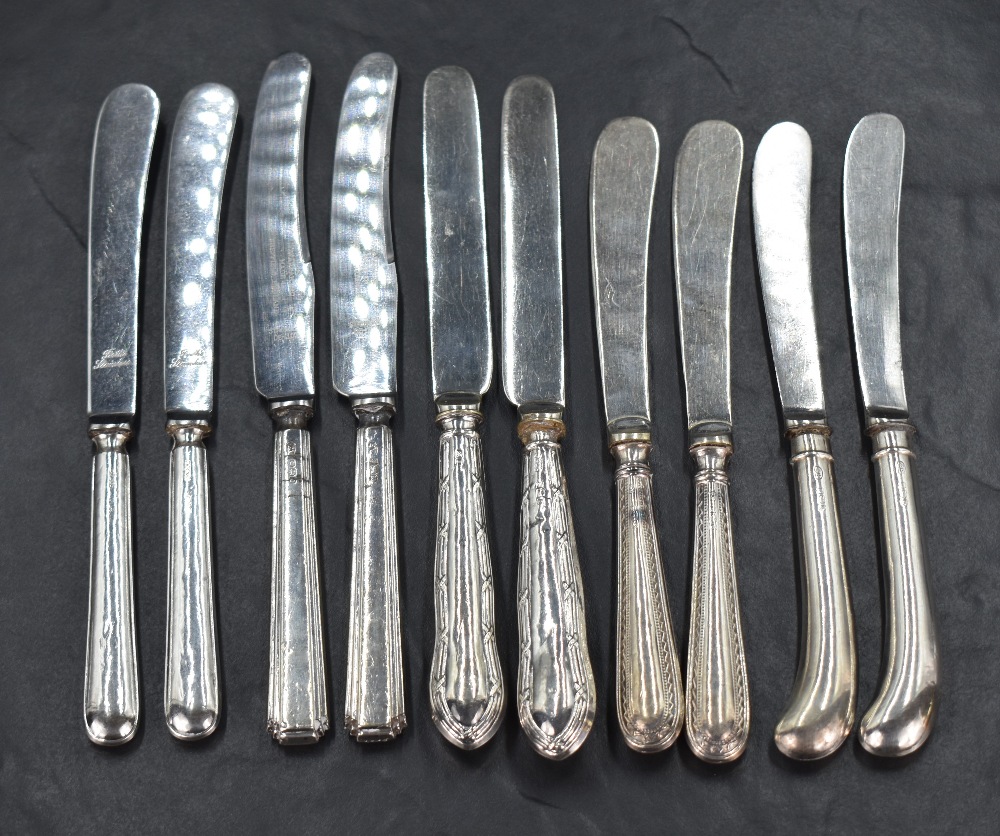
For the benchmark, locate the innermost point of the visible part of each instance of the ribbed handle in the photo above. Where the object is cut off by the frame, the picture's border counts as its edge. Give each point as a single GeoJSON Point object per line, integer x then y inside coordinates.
{"type": "Point", "coordinates": [111, 687]}
{"type": "Point", "coordinates": [650, 694]}
{"type": "Point", "coordinates": [191, 695]}
{"type": "Point", "coordinates": [820, 711]}
{"type": "Point", "coordinates": [467, 692]}
{"type": "Point", "coordinates": [297, 696]}
{"type": "Point", "coordinates": [374, 710]}
{"type": "Point", "coordinates": [718, 700]}
{"type": "Point", "coordinates": [556, 696]}
{"type": "Point", "coordinates": [902, 715]}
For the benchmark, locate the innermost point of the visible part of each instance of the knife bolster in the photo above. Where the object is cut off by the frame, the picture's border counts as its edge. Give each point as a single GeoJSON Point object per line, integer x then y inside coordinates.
{"type": "Point", "coordinates": [541, 426]}
{"type": "Point", "coordinates": [291, 415]}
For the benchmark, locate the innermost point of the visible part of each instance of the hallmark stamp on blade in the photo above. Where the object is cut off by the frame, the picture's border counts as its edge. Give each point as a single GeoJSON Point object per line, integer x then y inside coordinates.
{"type": "Point", "coordinates": [190, 357]}
{"type": "Point", "coordinates": [112, 358]}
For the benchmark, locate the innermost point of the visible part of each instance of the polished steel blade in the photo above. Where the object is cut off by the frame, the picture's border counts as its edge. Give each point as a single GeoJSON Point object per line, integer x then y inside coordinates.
{"type": "Point", "coordinates": [622, 183]}
{"type": "Point", "coordinates": [199, 151]}
{"type": "Point", "coordinates": [362, 269]}
{"type": "Point", "coordinates": [531, 246]}
{"type": "Point", "coordinates": [706, 187]}
{"type": "Point", "coordinates": [782, 173]}
{"type": "Point", "coordinates": [873, 179]}
{"type": "Point", "coordinates": [282, 293]}
{"type": "Point", "coordinates": [123, 144]}
{"type": "Point", "coordinates": [455, 222]}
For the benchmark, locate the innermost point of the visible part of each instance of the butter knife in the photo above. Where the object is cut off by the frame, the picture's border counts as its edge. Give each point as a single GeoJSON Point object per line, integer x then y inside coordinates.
{"type": "Point", "coordinates": [123, 144]}
{"type": "Point", "coordinates": [820, 711]}
{"type": "Point", "coordinates": [282, 300]}
{"type": "Point", "coordinates": [363, 332]}
{"type": "Point", "coordinates": [466, 685]}
{"type": "Point", "coordinates": [556, 698]}
{"type": "Point", "coordinates": [650, 695]}
{"type": "Point", "coordinates": [199, 152]}
{"type": "Point", "coordinates": [706, 187]}
{"type": "Point", "coordinates": [902, 715]}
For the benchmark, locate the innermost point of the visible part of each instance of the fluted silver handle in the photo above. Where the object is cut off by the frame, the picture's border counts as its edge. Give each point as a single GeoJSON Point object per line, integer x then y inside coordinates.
{"type": "Point", "coordinates": [191, 691]}
{"type": "Point", "coordinates": [718, 699]}
{"type": "Point", "coordinates": [111, 678]}
{"type": "Point", "coordinates": [902, 715]}
{"type": "Point", "coordinates": [296, 710]}
{"type": "Point", "coordinates": [650, 693]}
{"type": "Point", "coordinates": [820, 711]}
{"type": "Point", "coordinates": [374, 709]}
{"type": "Point", "coordinates": [467, 691]}
{"type": "Point", "coordinates": [556, 696]}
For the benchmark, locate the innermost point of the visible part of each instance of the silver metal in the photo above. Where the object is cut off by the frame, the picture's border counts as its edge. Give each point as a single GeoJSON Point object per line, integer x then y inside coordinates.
{"type": "Point", "coordinates": [466, 682]}
{"type": "Point", "coordinates": [123, 142]}
{"type": "Point", "coordinates": [873, 181]}
{"type": "Point", "coordinates": [706, 186]}
{"type": "Point", "coordinates": [279, 272]}
{"type": "Point", "coordinates": [531, 247]}
{"type": "Point", "coordinates": [782, 172]}
{"type": "Point", "coordinates": [650, 695]}
{"type": "Point", "coordinates": [556, 695]}
{"type": "Point", "coordinates": [363, 333]}
{"type": "Point", "coordinates": [902, 715]}
{"type": "Point", "coordinates": [362, 269]}
{"type": "Point", "coordinates": [820, 710]}
{"type": "Point", "coordinates": [281, 315]}
{"type": "Point", "coordinates": [455, 215]}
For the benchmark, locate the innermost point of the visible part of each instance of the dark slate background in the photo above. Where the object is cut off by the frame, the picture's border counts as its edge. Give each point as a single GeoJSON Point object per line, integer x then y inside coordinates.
{"type": "Point", "coordinates": [823, 65]}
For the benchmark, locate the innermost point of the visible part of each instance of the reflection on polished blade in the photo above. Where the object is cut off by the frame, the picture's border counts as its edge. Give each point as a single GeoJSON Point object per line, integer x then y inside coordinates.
{"type": "Point", "coordinates": [278, 269]}
{"type": "Point", "coordinates": [362, 272]}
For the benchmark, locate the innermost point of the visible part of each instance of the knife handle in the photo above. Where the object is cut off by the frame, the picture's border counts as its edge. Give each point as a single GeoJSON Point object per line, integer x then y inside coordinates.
{"type": "Point", "coordinates": [191, 696]}
{"type": "Point", "coordinates": [820, 711]}
{"type": "Point", "coordinates": [296, 708]}
{"type": "Point", "coordinates": [111, 687]}
{"type": "Point", "coordinates": [718, 699]}
{"type": "Point", "coordinates": [902, 715]}
{"type": "Point", "coordinates": [556, 695]}
{"type": "Point", "coordinates": [374, 710]}
{"type": "Point", "coordinates": [650, 693]}
{"type": "Point", "coordinates": [467, 691]}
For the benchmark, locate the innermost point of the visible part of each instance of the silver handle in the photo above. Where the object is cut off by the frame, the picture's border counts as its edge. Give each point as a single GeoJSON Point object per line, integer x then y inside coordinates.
{"type": "Point", "coordinates": [902, 715]}
{"type": "Point", "coordinates": [191, 695]}
{"type": "Point", "coordinates": [556, 696]}
{"type": "Point", "coordinates": [820, 711]}
{"type": "Point", "coordinates": [111, 686]}
{"type": "Point", "coordinates": [467, 691]}
{"type": "Point", "coordinates": [374, 710]}
{"type": "Point", "coordinates": [296, 708]}
{"type": "Point", "coordinates": [718, 700]}
{"type": "Point", "coordinates": [650, 693]}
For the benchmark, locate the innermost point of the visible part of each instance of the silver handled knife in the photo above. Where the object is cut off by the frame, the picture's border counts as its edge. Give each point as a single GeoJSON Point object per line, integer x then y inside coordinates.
{"type": "Point", "coordinates": [199, 152]}
{"type": "Point", "coordinates": [900, 719]}
{"type": "Point", "coordinates": [650, 695]}
{"type": "Point", "coordinates": [123, 144]}
{"type": "Point", "coordinates": [467, 691]}
{"type": "Point", "coordinates": [282, 300]}
{"type": "Point", "coordinates": [556, 699]}
{"type": "Point", "coordinates": [706, 187]}
{"type": "Point", "coordinates": [363, 331]}
{"type": "Point", "coordinates": [820, 711]}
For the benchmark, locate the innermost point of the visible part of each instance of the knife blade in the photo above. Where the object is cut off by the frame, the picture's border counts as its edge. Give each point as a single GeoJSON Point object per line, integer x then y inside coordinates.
{"type": "Point", "coordinates": [902, 715]}
{"type": "Point", "coordinates": [706, 188]}
{"type": "Point", "coordinates": [281, 288]}
{"type": "Point", "coordinates": [123, 145]}
{"type": "Point", "coordinates": [199, 152]}
{"type": "Point", "coordinates": [363, 336]}
{"type": "Point", "coordinates": [466, 684]}
{"type": "Point", "coordinates": [820, 711]}
{"type": "Point", "coordinates": [555, 682]}
{"type": "Point", "coordinates": [650, 696]}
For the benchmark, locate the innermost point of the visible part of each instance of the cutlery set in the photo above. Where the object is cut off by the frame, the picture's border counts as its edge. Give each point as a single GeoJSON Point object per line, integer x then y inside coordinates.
{"type": "Point", "coordinates": [555, 687]}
